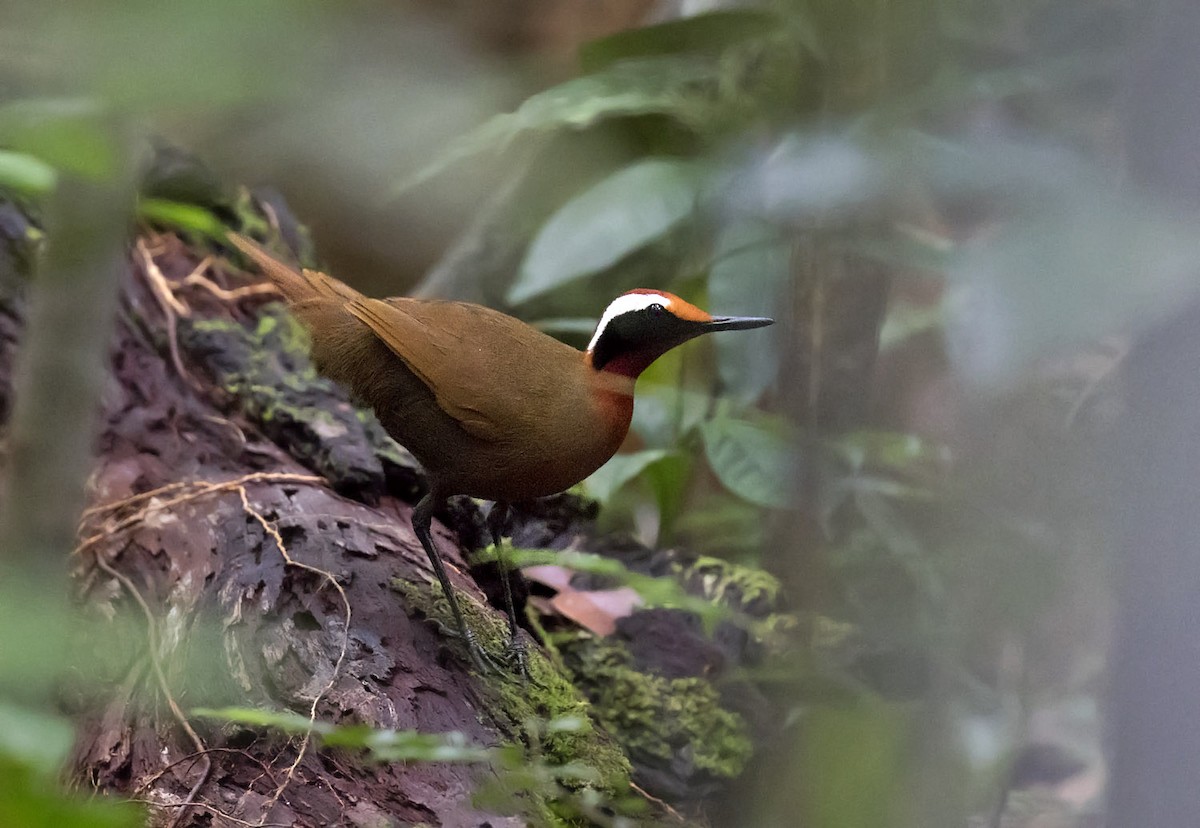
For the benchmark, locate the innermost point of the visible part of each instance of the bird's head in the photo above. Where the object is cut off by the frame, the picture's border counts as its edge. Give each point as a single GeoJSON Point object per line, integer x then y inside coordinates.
{"type": "Point", "coordinates": [640, 326]}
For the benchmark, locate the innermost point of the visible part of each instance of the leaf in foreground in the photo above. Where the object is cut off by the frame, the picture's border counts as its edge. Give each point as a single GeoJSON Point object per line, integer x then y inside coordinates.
{"type": "Point", "coordinates": [709, 33]}
{"type": "Point", "coordinates": [654, 591]}
{"type": "Point", "coordinates": [384, 745]}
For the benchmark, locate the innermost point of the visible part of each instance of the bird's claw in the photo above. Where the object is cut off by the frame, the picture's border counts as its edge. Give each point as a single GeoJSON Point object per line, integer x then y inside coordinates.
{"type": "Point", "coordinates": [515, 657]}
{"type": "Point", "coordinates": [514, 660]}
{"type": "Point", "coordinates": [480, 658]}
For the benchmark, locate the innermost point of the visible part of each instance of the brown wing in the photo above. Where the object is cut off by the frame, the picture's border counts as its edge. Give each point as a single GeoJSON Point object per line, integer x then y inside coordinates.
{"type": "Point", "coordinates": [498, 391]}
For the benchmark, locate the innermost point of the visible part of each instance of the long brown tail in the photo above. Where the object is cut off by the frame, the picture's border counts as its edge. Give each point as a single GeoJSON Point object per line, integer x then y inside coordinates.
{"type": "Point", "coordinates": [297, 286]}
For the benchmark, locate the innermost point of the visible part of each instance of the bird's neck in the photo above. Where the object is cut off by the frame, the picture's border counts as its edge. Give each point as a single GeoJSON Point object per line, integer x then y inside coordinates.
{"type": "Point", "coordinates": [616, 377]}
{"type": "Point", "coordinates": [612, 390]}
{"type": "Point", "coordinates": [628, 365]}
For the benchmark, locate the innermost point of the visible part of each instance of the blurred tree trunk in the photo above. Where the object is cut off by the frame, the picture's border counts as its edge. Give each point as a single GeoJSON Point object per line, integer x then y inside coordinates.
{"type": "Point", "coordinates": [1156, 662]}
{"type": "Point", "coordinates": [60, 372]}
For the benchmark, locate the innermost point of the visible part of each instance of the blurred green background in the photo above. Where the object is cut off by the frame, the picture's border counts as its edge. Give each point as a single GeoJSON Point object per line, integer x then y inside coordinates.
{"type": "Point", "coordinates": [930, 196]}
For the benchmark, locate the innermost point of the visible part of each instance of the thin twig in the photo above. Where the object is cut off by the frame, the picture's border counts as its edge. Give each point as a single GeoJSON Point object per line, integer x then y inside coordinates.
{"type": "Point", "coordinates": [198, 755]}
{"type": "Point", "coordinates": [216, 811]}
{"type": "Point", "coordinates": [162, 289]}
{"type": "Point", "coordinates": [233, 295]}
{"type": "Point", "coordinates": [202, 489]}
{"type": "Point", "coordinates": [198, 270]}
{"type": "Point", "coordinates": [172, 309]}
{"type": "Point", "coordinates": [652, 798]}
{"type": "Point", "coordinates": [206, 486]}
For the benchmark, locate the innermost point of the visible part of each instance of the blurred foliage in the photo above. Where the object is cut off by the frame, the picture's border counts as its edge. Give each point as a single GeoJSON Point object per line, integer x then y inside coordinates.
{"type": "Point", "coordinates": [520, 773]}
{"type": "Point", "coordinates": [768, 153]}
{"type": "Point", "coordinates": [35, 743]}
{"type": "Point", "coordinates": [33, 746]}
{"type": "Point", "coordinates": [654, 591]}
{"type": "Point", "coordinates": [380, 745]}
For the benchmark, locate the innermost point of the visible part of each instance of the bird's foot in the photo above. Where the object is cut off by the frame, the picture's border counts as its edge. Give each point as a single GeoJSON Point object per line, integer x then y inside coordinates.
{"type": "Point", "coordinates": [480, 658]}
{"type": "Point", "coordinates": [514, 660]}
{"type": "Point", "coordinates": [515, 657]}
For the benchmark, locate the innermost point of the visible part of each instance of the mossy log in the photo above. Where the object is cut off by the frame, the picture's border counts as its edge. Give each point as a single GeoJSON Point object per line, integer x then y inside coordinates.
{"type": "Point", "coordinates": [248, 543]}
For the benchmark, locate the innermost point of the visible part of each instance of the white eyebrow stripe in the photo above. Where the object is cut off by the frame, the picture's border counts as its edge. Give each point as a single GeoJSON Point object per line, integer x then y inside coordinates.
{"type": "Point", "coordinates": [624, 304]}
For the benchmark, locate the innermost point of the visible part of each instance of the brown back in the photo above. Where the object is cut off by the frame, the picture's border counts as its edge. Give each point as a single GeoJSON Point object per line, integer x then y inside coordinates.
{"type": "Point", "coordinates": [491, 406]}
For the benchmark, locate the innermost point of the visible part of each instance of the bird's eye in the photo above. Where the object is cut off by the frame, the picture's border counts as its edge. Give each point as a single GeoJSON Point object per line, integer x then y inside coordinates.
{"type": "Point", "coordinates": [656, 309]}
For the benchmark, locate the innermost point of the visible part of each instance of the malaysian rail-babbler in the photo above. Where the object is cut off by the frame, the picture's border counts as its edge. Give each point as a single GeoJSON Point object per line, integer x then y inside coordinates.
{"type": "Point", "coordinates": [492, 407]}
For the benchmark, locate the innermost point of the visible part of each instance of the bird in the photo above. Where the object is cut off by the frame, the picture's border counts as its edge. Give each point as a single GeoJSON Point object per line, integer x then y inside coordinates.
{"type": "Point", "coordinates": [490, 406]}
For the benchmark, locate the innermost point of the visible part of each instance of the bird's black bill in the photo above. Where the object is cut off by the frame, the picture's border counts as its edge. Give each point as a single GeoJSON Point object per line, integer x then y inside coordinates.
{"type": "Point", "coordinates": [737, 323]}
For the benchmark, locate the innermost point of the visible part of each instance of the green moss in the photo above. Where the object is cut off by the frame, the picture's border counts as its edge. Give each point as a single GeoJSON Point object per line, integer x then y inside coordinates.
{"type": "Point", "coordinates": [250, 219]}
{"type": "Point", "coordinates": [266, 372]}
{"type": "Point", "coordinates": [743, 588]}
{"type": "Point", "coordinates": [284, 332]}
{"type": "Point", "coordinates": [546, 713]}
{"type": "Point", "coordinates": [216, 324]}
{"type": "Point", "coordinates": [656, 718]}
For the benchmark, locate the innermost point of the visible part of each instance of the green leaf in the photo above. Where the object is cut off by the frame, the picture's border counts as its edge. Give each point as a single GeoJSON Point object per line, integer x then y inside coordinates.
{"type": "Point", "coordinates": [668, 480]}
{"type": "Point", "coordinates": [384, 745]}
{"type": "Point", "coordinates": [25, 174]}
{"type": "Point", "coordinates": [180, 216]}
{"type": "Point", "coordinates": [752, 264]}
{"type": "Point", "coordinates": [669, 85]}
{"type": "Point", "coordinates": [37, 740]}
{"type": "Point", "coordinates": [33, 747]}
{"type": "Point", "coordinates": [754, 463]}
{"type": "Point", "coordinates": [568, 724]}
{"type": "Point", "coordinates": [69, 135]}
{"type": "Point", "coordinates": [283, 720]}
{"type": "Point", "coordinates": [617, 472]}
{"type": "Point", "coordinates": [709, 33]}
{"type": "Point", "coordinates": [896, 451]}
{"type": "Point", "coordinates": [30, 799]}
{"type": "Point", "coordinates": [31, 610]}
{"type": "Point", "coordinates": [666, 414]}
{"type": "Point", "coordinates": [853, 762]}
{"type": "Point", "coordinates": [406, 745]}
{"type": "Point", "coordinates": [602, 225]}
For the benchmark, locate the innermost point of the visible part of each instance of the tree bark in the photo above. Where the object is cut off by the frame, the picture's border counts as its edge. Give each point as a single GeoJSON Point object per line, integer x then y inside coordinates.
{"type": "Point", "coordinates": [218, 569]}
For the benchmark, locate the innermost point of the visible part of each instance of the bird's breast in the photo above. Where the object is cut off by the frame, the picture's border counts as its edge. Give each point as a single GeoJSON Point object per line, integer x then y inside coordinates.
{"type": "Point", "coordinates": [578, 444]}
{"type": "Point", "coordinates": [573, 436]}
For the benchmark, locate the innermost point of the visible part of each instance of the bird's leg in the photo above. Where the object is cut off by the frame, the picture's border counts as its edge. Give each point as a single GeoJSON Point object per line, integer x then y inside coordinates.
{"type": "Point", "coordinates": [422, 520]}
{"type": "Point", "coordinates": [497, 521]}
